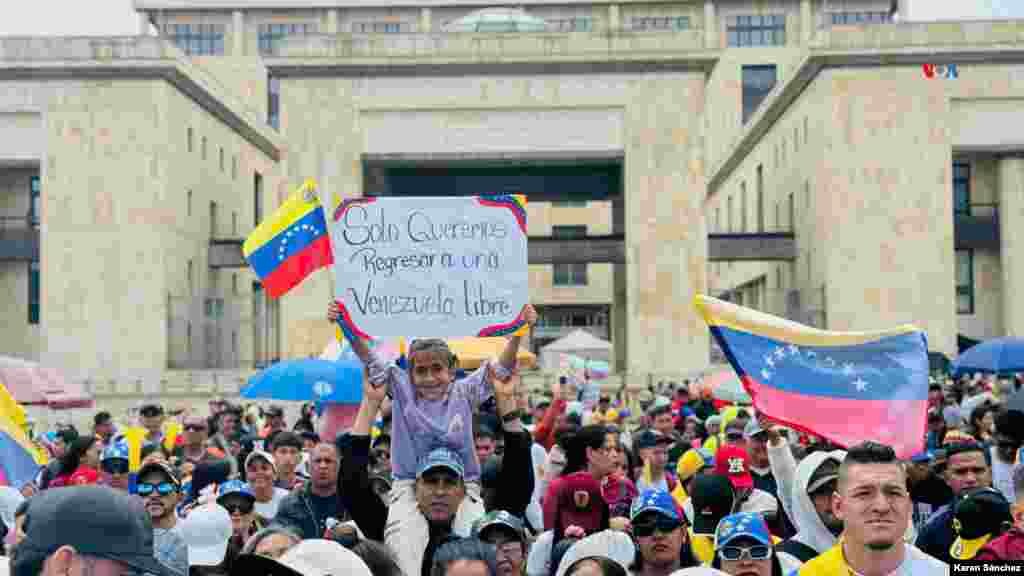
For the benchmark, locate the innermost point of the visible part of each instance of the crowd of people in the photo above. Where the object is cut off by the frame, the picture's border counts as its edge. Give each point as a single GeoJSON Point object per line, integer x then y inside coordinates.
{"type": "Point", "coordinates": [447, 476]}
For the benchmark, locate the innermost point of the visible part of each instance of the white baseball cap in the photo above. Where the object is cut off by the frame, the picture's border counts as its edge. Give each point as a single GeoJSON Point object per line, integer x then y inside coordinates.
{"type": "Point", "coordinates": [611, 544]}
{"type": "Point", "coordinates": [262, 455]}
{"type": "Point", "coordinates": [206, 531]}
{"type": "Point", "coordinates": [307, 558]}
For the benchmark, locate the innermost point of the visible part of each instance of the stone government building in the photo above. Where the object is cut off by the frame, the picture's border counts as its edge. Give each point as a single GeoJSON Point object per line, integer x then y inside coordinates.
{"type": "Point", "coordinates": [812, 159]}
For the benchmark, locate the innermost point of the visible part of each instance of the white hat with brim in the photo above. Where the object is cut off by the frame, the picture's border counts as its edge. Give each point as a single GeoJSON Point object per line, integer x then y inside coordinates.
{"type": "Point", "coordinates": [206, 531]}
{"type": "Point", "coordinates": [611, 544]}
{"type": "Point", "coordinates": [307, 558]}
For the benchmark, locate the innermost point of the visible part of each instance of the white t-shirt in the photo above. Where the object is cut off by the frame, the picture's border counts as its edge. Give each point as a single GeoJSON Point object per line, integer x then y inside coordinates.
{"type": "Point", "coordinates": [268, 510]}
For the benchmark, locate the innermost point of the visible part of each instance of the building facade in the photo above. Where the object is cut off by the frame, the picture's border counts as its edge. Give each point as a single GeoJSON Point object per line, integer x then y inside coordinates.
{"type": "Point", "coordinates": [813, 159]}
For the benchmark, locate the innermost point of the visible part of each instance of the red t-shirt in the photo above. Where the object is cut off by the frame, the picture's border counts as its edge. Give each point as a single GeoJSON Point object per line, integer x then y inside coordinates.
{"type": "Point", "coordinates": [82, 476]}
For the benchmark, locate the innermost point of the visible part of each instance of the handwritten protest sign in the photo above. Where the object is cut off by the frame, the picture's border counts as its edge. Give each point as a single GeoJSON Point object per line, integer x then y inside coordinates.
{"type": "Point", "coordinates": [444, 267]}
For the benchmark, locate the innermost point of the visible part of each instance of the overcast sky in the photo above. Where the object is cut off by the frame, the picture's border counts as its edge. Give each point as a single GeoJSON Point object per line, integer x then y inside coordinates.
{"type": "Point", "coordinates": [116, 17]}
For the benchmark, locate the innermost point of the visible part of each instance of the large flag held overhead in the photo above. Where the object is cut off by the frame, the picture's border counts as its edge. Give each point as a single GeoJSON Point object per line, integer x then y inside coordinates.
{"type": "Point", "coordinates": [291, 244]}
{"type": "Point", "coordinates": [847, 387]}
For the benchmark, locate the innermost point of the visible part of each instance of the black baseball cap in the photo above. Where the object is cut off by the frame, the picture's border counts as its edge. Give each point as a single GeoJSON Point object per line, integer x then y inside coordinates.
{"type": "Point", "coordinates": [151, 410]}
{"type": "Point", "coordinates": [825, 474]}
{"type": "Point", "coordinates": [275, 411]}
{"type": "Point", "coordinates": [978, 516]}
{"type": "Point", "coordinates": [163, 468]}
{"type": "Point", "coordinates": [713, 498]}
{"type": "Point", "coordinates": [500, 520]}
{"type": "Point", "coordinates": [96, 521]}
{"type": "Point", "coordinates": [651, 438]}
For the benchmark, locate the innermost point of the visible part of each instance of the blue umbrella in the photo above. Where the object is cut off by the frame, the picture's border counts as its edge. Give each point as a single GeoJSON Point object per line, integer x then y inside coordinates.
{"type": "Point", "coordinates": [336, 382]}
{"type": "Point", "coordinates": [998, 356]}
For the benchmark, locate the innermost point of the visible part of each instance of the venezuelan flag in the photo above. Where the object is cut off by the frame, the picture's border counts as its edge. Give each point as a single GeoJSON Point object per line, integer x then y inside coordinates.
{"type": "Point", "coordinates": [20, 460]}
{"type": "Point", "coordinates": [290, 245]}
{"type": "Point", "coordinates": [847, 387]}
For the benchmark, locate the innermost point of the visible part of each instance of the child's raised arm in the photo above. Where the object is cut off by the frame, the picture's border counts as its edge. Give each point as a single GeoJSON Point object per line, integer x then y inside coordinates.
{"type": "Point", "coordinates": [508, 356]}
{"type": "Point", "coordinates": [377, 371]}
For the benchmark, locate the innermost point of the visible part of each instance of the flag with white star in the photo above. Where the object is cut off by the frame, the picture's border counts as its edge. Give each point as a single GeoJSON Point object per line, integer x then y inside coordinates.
{"type": "Point", "coordinates": [291, 244]}
{"type": "Point", "coordinates": [846, 387]}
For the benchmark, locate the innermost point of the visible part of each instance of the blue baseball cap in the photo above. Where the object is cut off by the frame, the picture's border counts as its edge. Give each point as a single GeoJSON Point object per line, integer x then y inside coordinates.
{"type": "Point", "coordinates": [746, 524]}
{"type": "Point", "coordinates": [235, 487]}
{"type": "Point", "coordinates": [441, 458]}
{"type": "Point", "coordinates": [654, 501]}
{"type": "Point", "coordinates": [117, 450]}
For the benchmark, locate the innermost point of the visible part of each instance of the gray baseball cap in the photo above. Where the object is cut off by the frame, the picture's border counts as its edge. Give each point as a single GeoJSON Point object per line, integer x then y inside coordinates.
{"type": "Point", "coordinates": [94, 520]}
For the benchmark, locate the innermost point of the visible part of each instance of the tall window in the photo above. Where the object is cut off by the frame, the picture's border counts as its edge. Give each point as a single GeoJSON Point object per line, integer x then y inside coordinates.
{"type": "Point", "coordinates": [257, 198]}
{"type": "Point", "coordinates": [758, 82]}
{"type": "Point", "coordinates": [660, 23]}
{"type": "Point", "coordinates": [961, 188]}
{"type": "Point", "coordinates": [33, 293]}
{"type": "Point", "coordinates": [570, 25]}
{"type": "Point", "coordinates": [274, 102]}
{"type": "Point", "coordinates": [757, 30]}
{"type": "Point", "coordinates": [848, 18]}
{"type": "Point", "coordinates": [965, 282]}
{"type": "Point", "coordinates": [574, 273]}
{"type": "Point", "coordinates": [760, 199]}
{"type": "Point", "coordinates": [33, 206]}
{"type": "Point", "coordinates": [197, 39]}
{"type": "Point", "coordinates": [271, 35]}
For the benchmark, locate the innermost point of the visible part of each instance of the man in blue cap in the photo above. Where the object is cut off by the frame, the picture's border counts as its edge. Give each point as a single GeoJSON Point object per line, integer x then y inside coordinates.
{"type": "Point", "coordinates": [660, 534]}
{"type": "Point", "coordinates": [114, 465]}
{"type": "Point", "coordinates": [743, 545]}
{"type": "Point", "coordinates": [927, 490]}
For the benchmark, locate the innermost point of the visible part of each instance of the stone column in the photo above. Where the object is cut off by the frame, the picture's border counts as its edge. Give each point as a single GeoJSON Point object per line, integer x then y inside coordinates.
{"type": "Point", "coordinates": [710, 26]}
{"type": "Point", "coordinates": [1011, 242]}
{"type": "Point", "coordinates": [614, 19]}
{"type": "Point", "coordinates": [806, 22]}
{"type": "Point", "coordinates": [237, 33]}
{"type": "Point", "coordinates": [332, 21]}
{"type": "Point", "coordinates": [666, 239]}
{"type": "Point", "coordinates": [426, 22]}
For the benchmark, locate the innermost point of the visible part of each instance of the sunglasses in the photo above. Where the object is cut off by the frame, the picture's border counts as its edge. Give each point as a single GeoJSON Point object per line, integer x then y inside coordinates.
{"type": "Point", "coordinates": [663, 525]}
{"type": "Point", "coordinates": [163, 489]}
{"type": "Point", "coordinates": [195, 428]}
{"type": "Point", "coordinates": [243, 507]}
{"type": "Point", "coordinates": [734, 553]}
{"type": "Point", "coordinates": [115, 466]}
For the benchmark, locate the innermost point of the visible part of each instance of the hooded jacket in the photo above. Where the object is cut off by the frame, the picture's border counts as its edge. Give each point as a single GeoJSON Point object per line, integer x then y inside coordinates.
{"type": "Point", "coordinates": [793, 481]}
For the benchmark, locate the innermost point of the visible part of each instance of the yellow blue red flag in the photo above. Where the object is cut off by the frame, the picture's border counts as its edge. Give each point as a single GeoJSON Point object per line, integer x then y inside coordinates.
{"type": "Point", "coordinates": [20, 459]}
{"type": "Point", "coordinates": [846, 387]}
{"type": "Point", "coordinates": [291, 244]}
